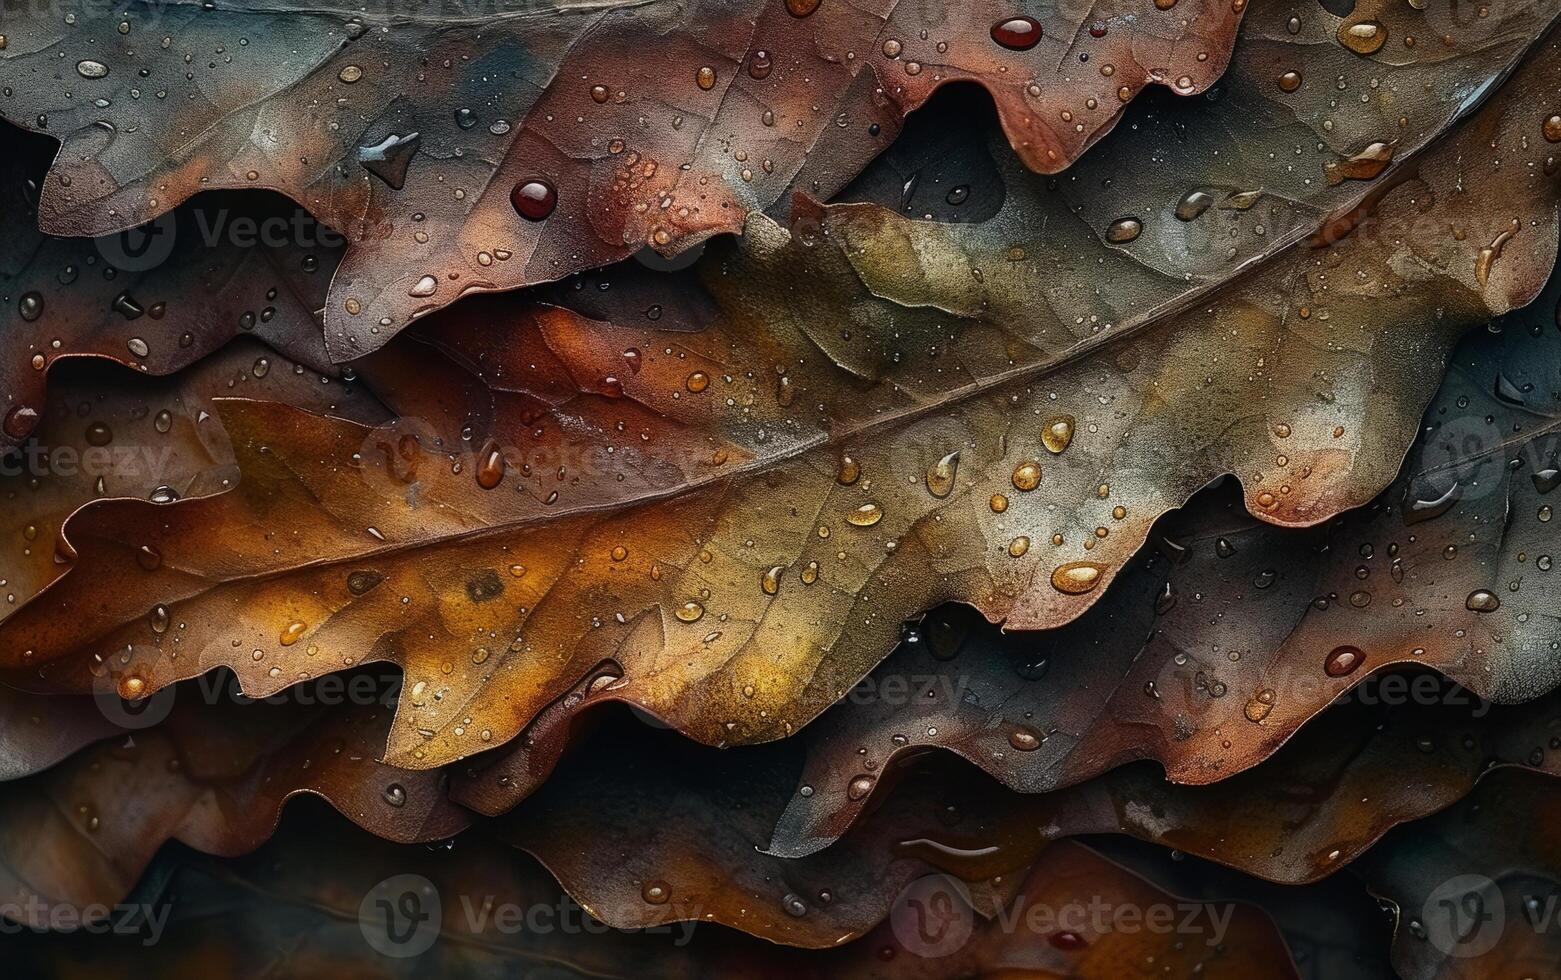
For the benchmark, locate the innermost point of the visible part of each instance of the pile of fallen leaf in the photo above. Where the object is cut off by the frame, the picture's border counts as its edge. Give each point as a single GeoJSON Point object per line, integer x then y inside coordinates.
{"type": "Point", "coordinates": [840, 473]}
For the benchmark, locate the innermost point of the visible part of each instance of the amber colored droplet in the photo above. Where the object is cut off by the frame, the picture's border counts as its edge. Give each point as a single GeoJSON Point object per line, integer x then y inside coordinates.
{"type": "Point", "coordinates": [1024, 738]}
{"type": "Point", "coordinates": [20, 422]}
{"type": "Point", "coordinates": [1289, 81]}
{"type": "Point", "coordinates": [1076, 578]}
{"type": "Point", "coordinates": [865, 516]}
{"type": "Point", "coordinates": [690, 611]}
{"type": "Point", "coordinates": [1019, 547]}
{"type": "Point", "coordinates": [697, 382]}
{"type": "Point", "coordinates": [940, 475]}
{"type": "Point", "coordinates": [1165, 4]}
{"type": "Point", "coordinates": [809, 573]}
{"type": "Point", "coordinates": [1124, 230]}
{"type": "Point", "coordinates": [1343, 661]}
{"type": "Point", "coordinates": [801, 8]}
{"type": "Point", "coordinates": [490, 466]}
{"type": "Point", "coordinates": [599, 94]}
{"type": "Point", "coordinates": [1367, 37]}
{"type": "Point", "coordinates": [619, 553]}
{"type": "Point", "coordinates": [534, 199]}
{"type": "Point", "coordinates": [656, 892]}
{"type": "Point", "coordinates": [1482, 600]}
{"type": "Point", "coordinates": [1017, 33]}
{"type": "Point", "coordinates": [1258, 708]}
{"type": "Point", "coordinates": [1027, 475]}
{"type": "Point", "coordinates": [131, 687]}
{"type": "Point", "coordinates": [760, 65]}
{"type": "Point", "coordinates": [848, 472]}
{"type": "Point", "coordinates": [705, 78]}
{"type": "Point", "coordinates": [1057, 434]}
{"type": "Point", "coordinates": [1552, 128]}
{"type": "Point", "coordinates": [770, 580]}
{"type": "Point", "coordinates": [999, 503]}
{"type": "Point", "coordinates": [293, 632]}
{"type": "Point", "coordinates": [859, 787]}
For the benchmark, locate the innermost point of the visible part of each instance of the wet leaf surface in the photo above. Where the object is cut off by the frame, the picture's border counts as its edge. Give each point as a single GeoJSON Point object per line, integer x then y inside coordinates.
{"type": "Point", "coordinates": [1229, 634]}
{"type": "Point", "coordinates": [770, 553]}
{"type": "Point", "coordinates": [479, 154]}
{"type": "Point", "coordinates": [200, 766]}
{"type": "Point", "coordinates": [106, 432]}
{"type": "Point", "coordinates": [311, 893]}
{"type": "Point", "coordinates": [155, 299]}
{"type": "Point", "coordinates": [1476, 886]}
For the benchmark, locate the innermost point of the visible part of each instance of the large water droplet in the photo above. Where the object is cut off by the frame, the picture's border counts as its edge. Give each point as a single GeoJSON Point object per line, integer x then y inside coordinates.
{"type": "Point", "coordinates": [1017, 33]}
{"type": "Point", "coordinates": [940, 475]}
{"type": "Point", "coordinates": [534, 199]}
{"type": "Point", "coordinates": [1076, 578]}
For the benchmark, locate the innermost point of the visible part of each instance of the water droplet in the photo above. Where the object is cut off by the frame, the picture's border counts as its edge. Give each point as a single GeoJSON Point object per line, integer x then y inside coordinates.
{"type": "Point", "coordinates": [1027, 475]}
{"type": "Point", "coordinates": [1024, 738]}
{"type": "Point", "coordinates": [1057, 434]}
{"type": "Point", "coordinates": [534, 199]}
{"type": "Point", "coordinates": [293, 632]}
{"type": "Point", "coordinates": [490, 466]}
{"type": "Point", "coordinates": [159, 619]}
{"type": "Point", "coordinates": [1482, 600]}
{"type": "Point", "coordinates": [1076, 578]}
{"type": "Point", "coordinates": [30, 306]}
{"type": "Point", "coordinates": [705, 78]}
{"type": "Point", "coordinates": [350, 74]}
{"type": "Point", "coordinates": [690, 611]}
{"type": "Point", "coordinates": [998, 503]}
{"type": "Point", "coordinates": [1258, 708]}
{"type": "Point", "coordinates": [20, 422]}
{"type": "Point", "coordinates": [848, 471]}
{"type": "Point", "coordinates": [99, 434]}
{"type": "Point", "coordinates": [1552, 128]}
{"type": "Point", "coordinates": [1193, 204]}
{"type": "Point", "coordinates": [149, 558]}
{"type": "Point", "coordinates": [395, 795]}
{"type": "Point", "coordinates": [1343, 661]}
{"type": "Point", "coordinates": [865, 516]}
{"type": "Point", "coordinates": [1017, 33]}
{"type": "Point", "coordinates": [91, 69]}
{"type": "Point", "coordinates": [859, 787]}
{"type": "Point", "coordinates": [1366, 37]}
{"type": "Point", "coordinates": [697, 382]}
{"type": "Point", "coordinates": [1289, 81]}
{"type": "Point", "coordinates": [940, 475]}
{"type": "Point", "coordinates": [1124, 230]}
{"type": "Point", "coordinates": [771, 579]}
{"type": "Point", "coordinates": [1417, 508]}
{"type": "Point", "coordinates": [656, 892]}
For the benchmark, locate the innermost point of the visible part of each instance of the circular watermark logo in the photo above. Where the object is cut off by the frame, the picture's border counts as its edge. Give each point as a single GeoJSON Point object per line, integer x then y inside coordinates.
{"type": "Point", "coordinates": [933, 916]}
{"type": "Point", "coordinates": [1464, 916]}
{"type": "Point", "coordinates": [401, 916]}
{"type": "Point", "coordinates": [140, 248]}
